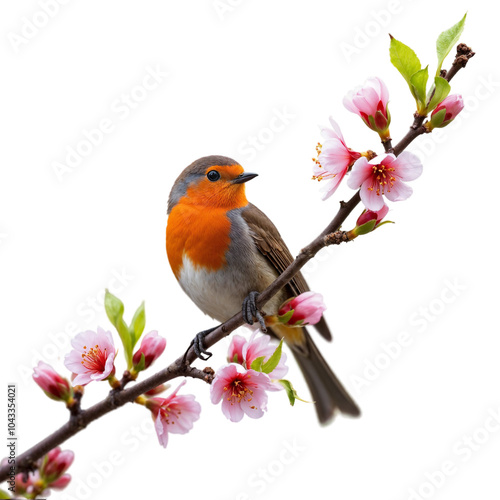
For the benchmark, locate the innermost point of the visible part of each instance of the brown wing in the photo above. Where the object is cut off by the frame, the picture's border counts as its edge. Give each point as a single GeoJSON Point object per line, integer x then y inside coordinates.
{"type": "Point", "coordinates": [271, 245]}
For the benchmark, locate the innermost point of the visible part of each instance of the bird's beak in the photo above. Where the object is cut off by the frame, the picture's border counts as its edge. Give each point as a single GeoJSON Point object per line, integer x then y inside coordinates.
{"type": "Point", "coordinates": [244, 177]}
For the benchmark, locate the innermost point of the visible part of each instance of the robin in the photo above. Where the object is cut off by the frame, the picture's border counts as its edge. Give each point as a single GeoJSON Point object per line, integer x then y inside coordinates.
{"type": "Point", "coordinates": [224, 251]}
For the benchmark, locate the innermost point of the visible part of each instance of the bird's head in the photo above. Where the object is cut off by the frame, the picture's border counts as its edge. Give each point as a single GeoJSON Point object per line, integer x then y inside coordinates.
{"type": "Point", "coordinates": [211, 181]}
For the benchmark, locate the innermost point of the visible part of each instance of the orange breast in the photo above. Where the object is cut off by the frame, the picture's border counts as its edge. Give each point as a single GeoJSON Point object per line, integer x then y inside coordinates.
{"type": "Point", "coordinates": [201, 233]}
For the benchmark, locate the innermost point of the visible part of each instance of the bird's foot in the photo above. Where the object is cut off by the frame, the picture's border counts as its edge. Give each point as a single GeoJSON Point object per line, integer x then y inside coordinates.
{"type": "Point", "coordinates": [251, 311]}
{"type": "Point", "coordinates": [199, 348]}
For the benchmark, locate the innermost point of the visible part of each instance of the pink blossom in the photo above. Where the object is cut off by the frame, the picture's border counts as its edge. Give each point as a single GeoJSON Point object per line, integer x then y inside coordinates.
{"type": "Point", "coordinates": [174, 414]}
{"type": "Point", "coordinates": [54, 386]}
{"type": "Point", "coordinates": [446, 111]}
{"type": "Point", "coordinates": [245, 352]}
{"type": "Point", "coordinates": [55, 464]}
{"type": "Point", "coordinates": [370, 103]}
{"type": "Point", "coordinates": [241, 391]}
{"type": "Point", "coordinates": [384, 176]}
{"type": "Point", "coordinates": [152, 346]}
{"type": "Point", "coordinates": [334, 159]}
{"type": "Point", "coordinates": [369, 215]}
{"type": "Point", "coordinates": [305, 309]}
{"type": "Point", "coordinates": [92, 357]}
{"type": "Point", "coordinates": [235, 351]}
{"type": "Point", "coordinates": [261, 345]}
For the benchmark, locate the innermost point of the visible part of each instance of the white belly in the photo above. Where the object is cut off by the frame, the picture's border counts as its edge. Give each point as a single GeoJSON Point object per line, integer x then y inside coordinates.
{"type": "Point", "coordinates": [220, 294]}
{"type": "Point", "coordinates": [215, 293]}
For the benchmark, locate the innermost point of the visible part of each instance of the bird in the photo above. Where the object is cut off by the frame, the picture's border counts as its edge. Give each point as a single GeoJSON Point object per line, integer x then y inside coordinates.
{"type": "Point", "coordinates": [224, 251]}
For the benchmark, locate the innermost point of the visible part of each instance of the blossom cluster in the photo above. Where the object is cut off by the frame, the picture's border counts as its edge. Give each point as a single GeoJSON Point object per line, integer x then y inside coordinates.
{"type": "Point", "coordinates": [378, 178]}
{"type": "Point", "coordinates": [256, 366]}
{"type": "Point", "coordinates": [49, 474]}
{"type": "Point", "coordinates": [241, 388]}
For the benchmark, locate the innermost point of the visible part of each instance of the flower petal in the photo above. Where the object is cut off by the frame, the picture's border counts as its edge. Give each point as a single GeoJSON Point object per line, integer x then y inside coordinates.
{"type": "Point", "coordinates": [399, 191]}
{"type": "Point", "coordinates": [408, 166]}
{"type": "Point", "coordinates": [371, 200]}
{"type": "Point", "coordinates": [361, 170]}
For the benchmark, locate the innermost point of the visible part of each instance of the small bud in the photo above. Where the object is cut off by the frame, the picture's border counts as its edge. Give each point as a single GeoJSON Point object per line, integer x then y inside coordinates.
{"type": "Point", "coordinates": [55, 464]}
{"type": "Point", "coordinates": [54, 386]}
{"type": "Point", "coordinates": [446, 111]}
{"type": "Point", "coordinates": [305, 309]}
{"type": "Point", "coordinates": [368, 221]}
{"type": "Point", "coordinates": [370, 103]}
{"type": "Point", "coordinates": [152, 347]}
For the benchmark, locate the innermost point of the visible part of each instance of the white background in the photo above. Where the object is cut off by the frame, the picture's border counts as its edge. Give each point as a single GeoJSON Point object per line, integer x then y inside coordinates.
{"type": "Point", "coordinates": [64, 238]}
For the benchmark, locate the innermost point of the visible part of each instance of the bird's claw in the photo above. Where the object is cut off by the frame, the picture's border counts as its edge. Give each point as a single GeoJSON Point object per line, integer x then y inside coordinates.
{"type": "Point", "coordinates": [199, 348]}
{"type": "Point", "coordinates": [251, 311]}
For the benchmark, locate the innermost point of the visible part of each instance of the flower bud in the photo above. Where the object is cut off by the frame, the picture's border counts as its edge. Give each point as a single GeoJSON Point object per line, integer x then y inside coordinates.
{"type": "Point", "coordinates": [305, 309]}
{"type": "Point", "coordinates": [54, 386]}
{"type": "Point", "coordinates": [368, 221]}
{"type": "Point", "coordinates": [152, 346]}
{"type": "Point", "coordinates": [61, 483]}
{"type": "Point", "coordinates": [370, 103]}
{"type": "Point", "coordinates": [55, 464]}
{"type": "Point", "coordinates": [446, 111]}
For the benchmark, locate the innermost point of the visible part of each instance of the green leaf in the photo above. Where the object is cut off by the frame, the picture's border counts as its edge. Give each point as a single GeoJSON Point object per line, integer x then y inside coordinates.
{"type": "Point", "coordinates": [114, 309]}
{"type": "Point", "coordinates": [418, 82]}
{"type": "Point", "coordinates": [447, 40]}
{"type": "Point", "coordinates": [291, 392]}
{"type": "Point", "coordinates": [257, 364]}
{"type": "Point", "coordinates": [404, 59]}
{"type": "Point", "coordinates": [386, 222]}
{"type": "Point", "coordinates": [439, 92]}
{"type": "Point", "coordinates": [273, 360]}
{"type": "Point", "coordinates": [137, 324]}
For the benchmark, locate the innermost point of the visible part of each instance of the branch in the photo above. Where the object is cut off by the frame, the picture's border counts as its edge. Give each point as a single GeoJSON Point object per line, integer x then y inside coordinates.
{"type": "Point", "coordinates": [118, 397]}
{"type": "Point", "coordinates": [114, 400]}
{"type": "Point", "coordinates": [464, 53]}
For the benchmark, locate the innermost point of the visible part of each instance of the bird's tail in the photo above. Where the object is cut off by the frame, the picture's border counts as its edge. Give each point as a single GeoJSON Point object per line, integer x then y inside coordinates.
{"type": "Point", "coordinates": [327, 391]}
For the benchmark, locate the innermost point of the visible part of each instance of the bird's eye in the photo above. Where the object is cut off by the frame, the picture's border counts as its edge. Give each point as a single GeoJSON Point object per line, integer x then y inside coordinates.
{"type": "Point", "coordinates": [213, 176]}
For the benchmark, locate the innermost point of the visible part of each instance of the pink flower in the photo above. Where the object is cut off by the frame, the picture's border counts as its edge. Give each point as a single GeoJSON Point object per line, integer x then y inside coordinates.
{"type": "Point", "coordinates": [305, 309]}
{"type": "Point", "coordinates": [334, 159]}
{"type": "Point", "coordinates": [54, 386]}
{"type": "Point", "coordinates": [92, 357]}
{"type": "Point", "coordinates": [175, 414]}
{"type": "Point", "coordinates": [384, 176]}
{"type": "Point", "coordinates": [235, 351]}
{"type": "Point", "coordinates": [245, 352]}
{"type": "Point", "coordinates": [55, 464]}
{"type": "Point", "coordinates": [261, 345]}
{"type": "Point", "coordinates": [370, 103]}
{"type": "Point", "coordinates": [152, 346]}
{"type": "Point", "coordinates": [241, 391]}
{"type": "Point", "coordinates": [446, 111]}
{"type": "Point", "coordinates": [369, 215]}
